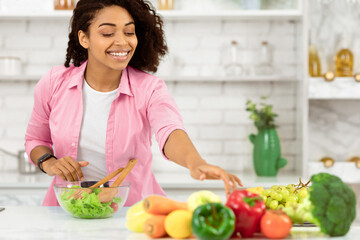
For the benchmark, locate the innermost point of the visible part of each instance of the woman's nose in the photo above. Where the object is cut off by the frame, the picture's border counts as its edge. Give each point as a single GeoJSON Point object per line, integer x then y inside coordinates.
{"type": "Point", "coordinates": [120, 39]}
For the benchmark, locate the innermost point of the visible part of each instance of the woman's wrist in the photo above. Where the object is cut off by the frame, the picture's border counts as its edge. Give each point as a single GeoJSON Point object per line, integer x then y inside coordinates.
{"type": "Point", "coordinates": [193, 162]}
{"type": "Point", "coordinates": [47, 165]}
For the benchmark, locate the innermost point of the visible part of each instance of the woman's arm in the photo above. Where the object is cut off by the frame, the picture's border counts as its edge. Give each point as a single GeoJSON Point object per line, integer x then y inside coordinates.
{"type": "Point", "coordinates": [38, 151]}
{"type": "Point", "coordinates": [38, 136]}
{"type": "Point", "coordinates": [66, 167]}
{"type": "Point", "coordinates": [179, 149]}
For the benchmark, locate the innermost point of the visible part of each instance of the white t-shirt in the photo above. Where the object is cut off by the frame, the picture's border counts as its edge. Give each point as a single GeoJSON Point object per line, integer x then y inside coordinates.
{"type": "Point", "coordinates": [92, 138]}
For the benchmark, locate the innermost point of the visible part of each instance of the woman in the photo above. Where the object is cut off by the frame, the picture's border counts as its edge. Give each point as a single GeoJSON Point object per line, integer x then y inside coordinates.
{"type": "Point", "coordinates": [100, 111]}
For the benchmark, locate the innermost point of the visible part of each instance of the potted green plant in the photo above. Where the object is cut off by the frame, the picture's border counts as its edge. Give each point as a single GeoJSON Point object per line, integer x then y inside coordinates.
{"type": "Point", "coordinates": [267, 151]}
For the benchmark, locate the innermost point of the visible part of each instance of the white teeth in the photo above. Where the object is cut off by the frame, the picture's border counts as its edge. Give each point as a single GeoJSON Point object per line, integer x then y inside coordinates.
{"type": "Point", "coordinates": [118, 54]}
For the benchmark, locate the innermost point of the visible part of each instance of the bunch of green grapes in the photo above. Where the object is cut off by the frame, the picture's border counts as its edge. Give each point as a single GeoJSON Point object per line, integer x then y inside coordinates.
{"type": "Point", "coordinates": [279, 196]}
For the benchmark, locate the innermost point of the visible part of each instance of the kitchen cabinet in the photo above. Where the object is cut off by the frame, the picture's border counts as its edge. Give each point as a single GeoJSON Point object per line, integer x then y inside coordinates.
{"type": "Point", "coordinates": [330, 119]}
{"type": "Point", "coordinates": [54, 223]}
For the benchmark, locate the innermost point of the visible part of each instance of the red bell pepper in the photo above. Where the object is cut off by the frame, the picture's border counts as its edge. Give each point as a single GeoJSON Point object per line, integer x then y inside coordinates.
{"type": "Point", "coordinates": [248, 209]}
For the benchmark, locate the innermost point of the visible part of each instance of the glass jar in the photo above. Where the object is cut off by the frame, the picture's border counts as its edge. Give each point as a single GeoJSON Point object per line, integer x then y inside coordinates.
{"type": "Point", "coordinates": [64, 4]}
{"type": "Point", "coordinates": [234, 68]}
{"type": "Point", "coordinates": [265, 67]}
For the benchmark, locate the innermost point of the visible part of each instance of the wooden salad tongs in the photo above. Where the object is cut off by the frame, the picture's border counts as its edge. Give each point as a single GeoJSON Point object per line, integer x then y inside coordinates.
{"type": "Point", "coordinates": [108, 193]}
{"type": "Point", "coordinates": [78, 192]}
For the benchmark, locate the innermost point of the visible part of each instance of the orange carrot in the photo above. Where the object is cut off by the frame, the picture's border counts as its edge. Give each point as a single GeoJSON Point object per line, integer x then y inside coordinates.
{"type": "Point", "coordinates": [154, 226]}
{"type": "Point", "coordinates": [156, 204]}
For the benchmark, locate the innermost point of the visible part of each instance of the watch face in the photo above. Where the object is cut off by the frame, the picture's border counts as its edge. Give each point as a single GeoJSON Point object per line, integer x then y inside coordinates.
{"type": "Point", "coordinates": [45, 157]}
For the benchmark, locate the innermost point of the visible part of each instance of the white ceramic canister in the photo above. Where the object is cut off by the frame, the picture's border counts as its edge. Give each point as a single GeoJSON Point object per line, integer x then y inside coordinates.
{"type": "Point", "coordinates": [10, 66]}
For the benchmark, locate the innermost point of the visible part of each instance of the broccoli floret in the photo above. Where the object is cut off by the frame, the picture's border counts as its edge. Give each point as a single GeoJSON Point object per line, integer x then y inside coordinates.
{"type": "Point", "coordinates": [334, 204]}
{"type": "Point", "coordinates": [331, 204]}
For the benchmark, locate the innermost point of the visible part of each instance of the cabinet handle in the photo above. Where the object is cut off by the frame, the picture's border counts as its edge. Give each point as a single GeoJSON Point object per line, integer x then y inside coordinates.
{"type": "Point", "coordinates": [356, 160]}
{"type": "Point", "coordinates": [328, 161]}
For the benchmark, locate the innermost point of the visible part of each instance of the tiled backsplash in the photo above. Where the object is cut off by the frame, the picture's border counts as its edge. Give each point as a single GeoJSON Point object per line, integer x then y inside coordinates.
{"type": "Point", "coordinates": [214, 112]}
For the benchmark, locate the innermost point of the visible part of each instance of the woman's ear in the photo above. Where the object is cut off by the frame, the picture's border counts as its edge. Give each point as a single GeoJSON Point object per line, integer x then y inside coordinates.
{"type": "Point", "coordinates": [83, 39]}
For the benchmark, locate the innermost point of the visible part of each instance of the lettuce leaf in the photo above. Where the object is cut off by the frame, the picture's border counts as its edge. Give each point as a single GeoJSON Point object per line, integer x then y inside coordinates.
{"type": "Point", "coordinates": [88, 206]}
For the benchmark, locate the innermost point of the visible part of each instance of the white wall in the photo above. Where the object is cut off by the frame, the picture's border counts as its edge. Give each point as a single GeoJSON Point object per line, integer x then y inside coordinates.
{"type": "Point", "coordinates": [214, 113]}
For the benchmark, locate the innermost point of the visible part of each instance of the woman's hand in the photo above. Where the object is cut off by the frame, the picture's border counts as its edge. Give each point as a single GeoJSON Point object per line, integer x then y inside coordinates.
{"type": "Point", "coordinates": [179, 149]}
{"type": "Point", "coordinates": [66, 168]}
{"type": "Point", "coordinates": [207, 171]}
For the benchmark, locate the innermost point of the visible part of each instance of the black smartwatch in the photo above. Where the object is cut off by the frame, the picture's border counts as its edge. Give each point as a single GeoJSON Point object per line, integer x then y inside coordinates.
{"type": "Point", "coordinates": [44, 158]}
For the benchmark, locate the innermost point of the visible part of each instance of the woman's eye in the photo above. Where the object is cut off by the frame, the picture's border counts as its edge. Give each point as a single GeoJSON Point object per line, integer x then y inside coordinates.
{"type": "Point", "coordinates": [107, 34]}
{"type": "Point", "coordinates": [130, 33]}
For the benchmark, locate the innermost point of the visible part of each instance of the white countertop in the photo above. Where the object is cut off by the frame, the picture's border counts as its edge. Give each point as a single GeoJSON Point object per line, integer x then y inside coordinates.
{"type": "Point", "coordinates": [166, 180]}
{"type": "Point", "coordinates": [53, 223]}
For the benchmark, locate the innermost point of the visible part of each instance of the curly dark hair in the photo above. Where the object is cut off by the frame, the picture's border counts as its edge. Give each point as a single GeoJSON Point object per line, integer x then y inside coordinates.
{"type": "Point", "coordinates": [149, 31]}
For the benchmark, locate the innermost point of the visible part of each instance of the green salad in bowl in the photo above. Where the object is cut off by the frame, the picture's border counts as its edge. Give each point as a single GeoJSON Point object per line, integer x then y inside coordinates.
{"type": "Point", "coordinates": [80, 201]}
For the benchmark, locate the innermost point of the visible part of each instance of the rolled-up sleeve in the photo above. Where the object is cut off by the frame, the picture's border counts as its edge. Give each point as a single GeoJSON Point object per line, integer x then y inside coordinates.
{"type": "Point", "coordinates": [38, 130]}
{"type": "Point", "coordinates": [163, 114]}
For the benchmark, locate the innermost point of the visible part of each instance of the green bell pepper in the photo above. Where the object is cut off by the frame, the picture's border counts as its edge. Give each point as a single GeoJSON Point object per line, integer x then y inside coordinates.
{"type": "Point", "coordinates": [213, 221]}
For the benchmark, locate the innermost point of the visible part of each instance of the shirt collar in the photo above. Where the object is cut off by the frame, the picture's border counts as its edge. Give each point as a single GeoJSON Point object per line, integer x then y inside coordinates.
{"type": "Point", "coordinates": [77, 78]}
{"type": "Point", "coordinates": [124, 88]}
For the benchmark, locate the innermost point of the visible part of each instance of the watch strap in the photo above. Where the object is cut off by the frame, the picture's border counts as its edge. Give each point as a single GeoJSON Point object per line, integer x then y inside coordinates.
{"type": "Point", "coordinates": [44, 158]}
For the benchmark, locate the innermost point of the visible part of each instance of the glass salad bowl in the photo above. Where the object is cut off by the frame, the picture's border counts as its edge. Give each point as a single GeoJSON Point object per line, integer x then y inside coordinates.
{"type": "Point", "coordinates": [80, 201]}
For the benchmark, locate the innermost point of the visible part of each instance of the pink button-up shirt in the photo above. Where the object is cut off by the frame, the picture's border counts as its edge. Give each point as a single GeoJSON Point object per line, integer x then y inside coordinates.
{"type": "Point", "coordinates": [142, 105]}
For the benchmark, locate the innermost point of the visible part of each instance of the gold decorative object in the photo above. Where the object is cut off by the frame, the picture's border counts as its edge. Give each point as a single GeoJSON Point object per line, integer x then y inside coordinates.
{"type": "Point", "coordinates": [314, 59]}
{"type": "Point", "coordinates": [328, 161]}
{"type": "Point", "coordinates": [166, 4]}
{"type": "Point", "coordinates": [344, 59]}
{"type": "Point", "coordinates": [356, 160]}
{"type": "Point", "coordinates": [357, 77]}
{"type": "Point", "coordinates": [329, 76]}
{"type": "Point", "coordinates": [64, 4]}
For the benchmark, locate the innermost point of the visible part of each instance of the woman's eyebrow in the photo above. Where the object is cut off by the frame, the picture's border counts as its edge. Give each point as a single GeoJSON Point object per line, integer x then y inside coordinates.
{"type": "Point", "coordinates": [108, 24]}
{"type": "Point", "coordinates": [114, 25]}
{"type": "Point", "coordinates": [129, 23]}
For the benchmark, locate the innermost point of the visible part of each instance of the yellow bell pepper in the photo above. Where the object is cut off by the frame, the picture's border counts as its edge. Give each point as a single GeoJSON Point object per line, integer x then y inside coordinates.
{"type": "Point", "coordinates": [136, 217]}
{"type": "Point", "coordinates": [256, 190]}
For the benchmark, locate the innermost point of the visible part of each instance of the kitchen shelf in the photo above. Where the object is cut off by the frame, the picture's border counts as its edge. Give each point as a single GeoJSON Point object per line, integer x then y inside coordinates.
{"type": "Point", "coordinates": [20, 78]}
{"type": "Point", "coordinates": [347, 171]}
{"type": "Point", "coordinates": [227, 79]}
{"type": "Point", "coordinates": [233, 15]}
{"type": "Point", "coordinates": [339, 88]}
{"type": "Point", "coordinates": [325, 104]}
{"type": "Point", "coordinates": [35, 78]}
{"type": "Point", "coordinates": [294, 15]}
{"type": "Point", "coordinates": [36, 15]}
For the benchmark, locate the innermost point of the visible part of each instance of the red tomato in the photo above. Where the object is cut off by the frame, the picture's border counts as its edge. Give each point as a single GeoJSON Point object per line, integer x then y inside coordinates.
{"type": "Point", "coordinates": [115, 206]}
{"type": "Point", "coordinates": [275, 224]}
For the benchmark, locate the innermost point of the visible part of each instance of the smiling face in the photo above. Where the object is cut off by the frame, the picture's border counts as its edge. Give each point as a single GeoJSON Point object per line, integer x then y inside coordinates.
{"type": "Point", "coordinates": [111, 40]}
